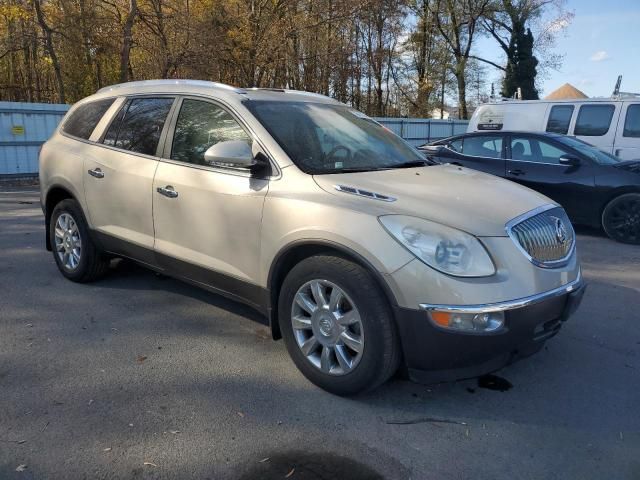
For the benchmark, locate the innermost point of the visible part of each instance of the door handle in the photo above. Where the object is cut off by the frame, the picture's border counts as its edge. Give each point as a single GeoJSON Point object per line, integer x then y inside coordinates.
{"type": "Point", "coordinates": [618, 152]}
{"type": "Point", "coordinates": [167, 191]}
{"type": "Point", "coordinates": [515, 172]}
{"type": "Point", "coordinates": [96, 172]}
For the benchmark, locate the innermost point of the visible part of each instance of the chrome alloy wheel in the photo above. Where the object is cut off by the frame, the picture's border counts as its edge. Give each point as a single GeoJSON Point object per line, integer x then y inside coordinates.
{"type": "Point", "coordinates": [327, 327]}
{"type": "Point", "coordinates": [68, 242]}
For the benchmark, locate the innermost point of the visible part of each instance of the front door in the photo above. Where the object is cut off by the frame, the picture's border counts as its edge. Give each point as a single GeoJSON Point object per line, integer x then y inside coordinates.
{"type": "Point", "coordinates": [119, 176]}
{"type": "Point", "coordinates": [207, 219]}
{"type": "Point", "coordinates": [536, 163]}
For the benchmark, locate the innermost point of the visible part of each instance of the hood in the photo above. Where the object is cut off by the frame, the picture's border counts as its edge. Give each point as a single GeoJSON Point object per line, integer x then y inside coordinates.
{"type": "Point", "coordinates": [629, 166]}
{"type": "Point", "coordinates": [465, 199]}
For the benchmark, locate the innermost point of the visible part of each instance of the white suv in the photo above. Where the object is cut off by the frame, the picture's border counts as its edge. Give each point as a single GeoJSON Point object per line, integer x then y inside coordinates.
{"type": "Point", "coordinates": [363, 256]}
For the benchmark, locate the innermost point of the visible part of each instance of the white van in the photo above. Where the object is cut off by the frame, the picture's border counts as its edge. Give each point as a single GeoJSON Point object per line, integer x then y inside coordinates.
{"type": "Point", "coordinates": [612, 125]}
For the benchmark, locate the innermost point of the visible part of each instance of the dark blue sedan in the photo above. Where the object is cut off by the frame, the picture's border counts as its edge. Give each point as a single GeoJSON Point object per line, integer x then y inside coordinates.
{"type": "Point", "coordinates": [594, 187]}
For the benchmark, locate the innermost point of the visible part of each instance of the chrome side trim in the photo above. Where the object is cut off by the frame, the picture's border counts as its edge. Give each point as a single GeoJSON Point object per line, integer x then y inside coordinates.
{"type": "Point", "coordinates": [509, 305]}
{"type": "Point", "coordinates": [532, 213]}
{"type": "Point", "coordinates": [364, 193]}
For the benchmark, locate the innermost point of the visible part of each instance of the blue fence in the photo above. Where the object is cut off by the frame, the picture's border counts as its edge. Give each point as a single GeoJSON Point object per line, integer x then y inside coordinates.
{"type": "Point", "coordinates": [26, 126]}
{"type": "Point", "coordinates": [23, 128]}
{"type": "Point", "coordinates": [418, 131]}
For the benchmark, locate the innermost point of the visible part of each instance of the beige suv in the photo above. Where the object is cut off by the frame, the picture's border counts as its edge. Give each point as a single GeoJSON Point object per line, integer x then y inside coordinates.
{"type": "Point", "coordinates": [363, 256]}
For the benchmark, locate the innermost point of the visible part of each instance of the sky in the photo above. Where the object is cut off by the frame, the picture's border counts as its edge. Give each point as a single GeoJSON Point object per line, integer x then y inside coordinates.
{"type": "Point", "coordinates": [601, 42]}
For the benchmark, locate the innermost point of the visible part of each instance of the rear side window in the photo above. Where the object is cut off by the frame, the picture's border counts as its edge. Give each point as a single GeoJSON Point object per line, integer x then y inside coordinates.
{"type": "Point", "coordinates": [84, 119]}
{"type": "Point", "coordinates": [632, 122]}
{"type": "Point", "coordinates": [594, 120]}
{"type": "Point", "coordinates": [138, 125]}
{"type": "Point", "coordinates": [490, 147]}
{"type": "Point", "coordinates": [559, 119]}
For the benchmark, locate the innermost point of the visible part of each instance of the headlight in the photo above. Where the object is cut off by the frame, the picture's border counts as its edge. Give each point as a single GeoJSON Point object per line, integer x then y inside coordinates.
{"type": "Point", "coordinates": [446, 249]}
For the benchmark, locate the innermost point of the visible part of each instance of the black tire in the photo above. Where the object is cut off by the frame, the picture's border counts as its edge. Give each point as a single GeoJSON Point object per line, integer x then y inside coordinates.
{"type": "Point", "coordinates": [381, 351]}
{"type": "Point", "coordinates": [621, 218]}
{"type": "Point", "coordinates": [92, 264]}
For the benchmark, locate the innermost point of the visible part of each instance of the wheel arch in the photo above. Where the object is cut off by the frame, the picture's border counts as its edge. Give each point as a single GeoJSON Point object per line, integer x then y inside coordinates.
{"type": "Point", "coordinates": [55, 195]}
{"type": "Point", "coordinates": [295, 252]}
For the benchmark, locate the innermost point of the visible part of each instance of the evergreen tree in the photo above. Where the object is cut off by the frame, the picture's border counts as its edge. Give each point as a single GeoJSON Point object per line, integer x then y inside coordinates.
{"type": "Point", "coordinates": [521, 65]}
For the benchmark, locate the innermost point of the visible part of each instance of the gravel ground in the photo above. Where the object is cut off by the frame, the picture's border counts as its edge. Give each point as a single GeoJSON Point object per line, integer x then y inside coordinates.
{"type": "Point", "coordinates": [140, 376]}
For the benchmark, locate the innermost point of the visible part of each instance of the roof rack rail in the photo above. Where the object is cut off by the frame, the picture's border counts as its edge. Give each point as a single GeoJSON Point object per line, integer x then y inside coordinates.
{"type": "Point", "coordinates": [287, 90]}
{"type": "Point", "coordinates": [618, 95]}
{"type": "Point", "coordinates": [157, 83]}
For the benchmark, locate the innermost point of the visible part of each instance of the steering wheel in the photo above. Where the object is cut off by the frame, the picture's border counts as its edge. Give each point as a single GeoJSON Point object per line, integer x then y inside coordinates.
{"type": "Point", "coordinates": [335, 150]}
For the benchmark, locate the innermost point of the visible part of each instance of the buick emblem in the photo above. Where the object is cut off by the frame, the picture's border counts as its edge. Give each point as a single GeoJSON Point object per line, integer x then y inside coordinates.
{"type": "Point", "coordinates": [561, 230]}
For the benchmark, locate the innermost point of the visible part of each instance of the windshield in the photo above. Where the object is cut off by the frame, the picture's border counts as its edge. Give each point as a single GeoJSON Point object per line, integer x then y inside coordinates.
{"type": "Point", "coordinates": [326, 138]}
{"type": "Point", "coordinates": [595, 154]}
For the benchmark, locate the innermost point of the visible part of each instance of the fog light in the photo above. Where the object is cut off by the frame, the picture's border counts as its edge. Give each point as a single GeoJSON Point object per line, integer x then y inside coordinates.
{"type": "Point", "coordinates": [471, 322]}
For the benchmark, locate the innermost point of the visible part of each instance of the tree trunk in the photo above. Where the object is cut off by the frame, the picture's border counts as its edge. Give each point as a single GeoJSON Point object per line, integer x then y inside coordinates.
{"type": "Point", "coordinates": [463, 113]}
{"type": "Point", "coordinates": [127, 40]}
{"type": "Point", "coordinates": [48, 37]}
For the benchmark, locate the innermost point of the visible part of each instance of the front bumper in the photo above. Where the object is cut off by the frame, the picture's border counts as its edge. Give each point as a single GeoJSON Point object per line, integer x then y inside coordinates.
{"type": "Point", "coordinates": [433, 354]}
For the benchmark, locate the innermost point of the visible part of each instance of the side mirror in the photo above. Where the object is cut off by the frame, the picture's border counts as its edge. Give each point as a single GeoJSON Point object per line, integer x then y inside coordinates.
{"type": "Point", "coordinates": [570, 160]}
{"type": "Point", "coordinates": [230, 154]}
{"type": "Point", "coordinates": [432, 150]}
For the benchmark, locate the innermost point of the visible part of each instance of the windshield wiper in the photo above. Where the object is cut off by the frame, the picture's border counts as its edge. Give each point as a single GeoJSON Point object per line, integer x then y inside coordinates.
{"type": "Point", "coordinates": [412, 163]}
{"type": "Point", "coordinates": [359, 169]}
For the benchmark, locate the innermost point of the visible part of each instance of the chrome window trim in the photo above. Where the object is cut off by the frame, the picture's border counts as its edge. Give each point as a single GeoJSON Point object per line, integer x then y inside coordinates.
{"type": "Point", "coordinates": [538, 163]}
{"type": "Point", "coordinates": [532, 213]}
{"type": "Point", "coordinates": [162, 143]}
{"type": "Point", "coordinates": [508, 305]}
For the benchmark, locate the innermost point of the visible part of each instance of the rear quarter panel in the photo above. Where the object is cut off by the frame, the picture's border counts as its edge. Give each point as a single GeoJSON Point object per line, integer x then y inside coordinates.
{"type": "Point", "coordinates": [61, 165]}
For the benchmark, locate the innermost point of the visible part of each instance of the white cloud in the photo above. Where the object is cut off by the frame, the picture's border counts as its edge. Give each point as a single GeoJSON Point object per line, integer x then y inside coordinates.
{"type": "Point", "coordinates": [600, 56]}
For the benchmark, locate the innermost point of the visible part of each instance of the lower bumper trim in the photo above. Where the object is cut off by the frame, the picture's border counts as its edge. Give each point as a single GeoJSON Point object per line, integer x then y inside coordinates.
{"type": "Point", "coordinates": [509, 305]}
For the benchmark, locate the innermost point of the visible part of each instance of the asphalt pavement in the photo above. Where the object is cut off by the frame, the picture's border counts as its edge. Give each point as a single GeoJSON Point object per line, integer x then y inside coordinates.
{"type": "Point", "coordinates": [138, 376]}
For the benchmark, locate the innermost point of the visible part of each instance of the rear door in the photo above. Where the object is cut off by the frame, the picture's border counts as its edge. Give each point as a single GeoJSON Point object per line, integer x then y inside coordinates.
{"type": "Point", "coordinates": [119, 177]}
{"type": "Point", "coordinates": [479, 152]}
{"type": "Point", "coordinates": [535, 162]}
{"type": "Point", "coordinates": [627, 144]}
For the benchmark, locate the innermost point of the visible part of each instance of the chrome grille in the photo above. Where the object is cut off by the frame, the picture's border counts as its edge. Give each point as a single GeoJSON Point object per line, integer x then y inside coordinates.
{"type": "Point", "coordinates": [544, 235]}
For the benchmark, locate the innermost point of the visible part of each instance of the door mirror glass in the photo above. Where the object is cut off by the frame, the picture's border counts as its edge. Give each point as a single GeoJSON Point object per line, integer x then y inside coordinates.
{"type": "Point", "coordinates": [230, 154]}
{"type": "Point", "coordinates": [569, 160]}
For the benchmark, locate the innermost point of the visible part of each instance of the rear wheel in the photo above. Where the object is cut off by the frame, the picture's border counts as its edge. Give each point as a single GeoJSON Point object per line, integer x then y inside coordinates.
{"type": "Point", "coordinates": [337, 325]}
{"type": "Point", "coordinates": [75, 254]}
{"type": "Point", "coordinates": [621, 218]}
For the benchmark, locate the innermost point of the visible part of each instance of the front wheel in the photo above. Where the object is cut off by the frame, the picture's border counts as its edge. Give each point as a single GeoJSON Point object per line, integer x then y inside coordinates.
{"type": "Point", "coordinates": [337, 325]}
{"type": "Point", "coordinates": [621, 218]}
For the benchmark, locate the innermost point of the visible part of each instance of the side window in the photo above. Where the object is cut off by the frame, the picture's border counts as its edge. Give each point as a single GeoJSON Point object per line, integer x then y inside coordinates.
{"type": "Point", "coordinates": [138, 126]}
{"type": "Point", "coordinates": [490, 147]}
{"type": "Point", "coordinates": [550, 153]}
{"type": "Point", "coordinates": [594, 120]}
{"type": "Point", "coordinates": [559, 119]}
{"type": "Point", "coordinates": [632, 122]}
{"type": "Point", "coordinates": [200, 125]}
{"type": "Point", "coordinates": [84, 119]}
{"type": "Point", "coordinates": [456, 145]}
{"type": "Point", "coordinates": [521, 149]}
{"type": "Point", "coordinates": [533, 150]}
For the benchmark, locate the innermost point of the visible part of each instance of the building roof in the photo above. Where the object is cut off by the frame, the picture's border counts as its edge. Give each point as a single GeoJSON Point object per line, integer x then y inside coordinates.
{"type": "Point", "coordinates": [566, 91]}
